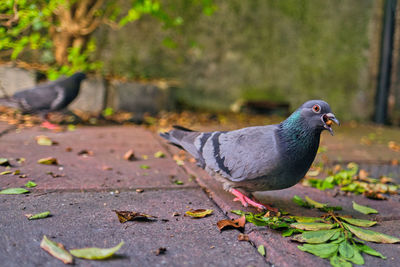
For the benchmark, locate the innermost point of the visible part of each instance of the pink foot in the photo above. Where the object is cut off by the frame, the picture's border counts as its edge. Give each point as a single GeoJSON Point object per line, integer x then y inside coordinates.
{"type": "Point", "coordinates": [247, 201]}
{"type": "Point", "coordinates": [50, 126]}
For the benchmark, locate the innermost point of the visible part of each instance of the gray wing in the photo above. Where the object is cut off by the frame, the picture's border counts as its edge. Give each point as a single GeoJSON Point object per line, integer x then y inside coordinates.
{"type": "Point", "coordinates": [242, 154]}
{"type": "Point", "coordinates": [59, 101]}
{"type": "Point", "coordinates": [36, 99]}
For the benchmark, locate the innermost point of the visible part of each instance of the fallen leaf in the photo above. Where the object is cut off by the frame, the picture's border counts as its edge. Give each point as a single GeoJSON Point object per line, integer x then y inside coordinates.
{"type": "Point", "coordinates": [359, 222]}
{"type": "Point", "coordinates": [5, 172]}
{"type": "Point", "coordinates": [363, 209]}
{"type": "Point", "coordinates": [107, 168]}
{"type": "Point", "coordinates": [30, 184]}
{"type": "Point", "coordinates": [129, 155]}
{"type": "Point", "coordinates": [178, 182]}
{"type": "Point", "coordinates": [320, 250]}
{"type": "Point", "coordinates": [363, 174]}
{"type": "Point", "coordinates": [315, 237]}
{"type": "Point", "coordinates": [14, 191]}
{"type": "Point", "coordinates": [38, 215]}
{"type": "Point", "coordinates": [312, 226]}
{"type": "Point", "coordinates": [159, 154]}
{"type": "Point", "coordinates": [54, 175]}
{"type": "Point", "coordinates": [243, 237]}
{"type": "Point", "coordinates": [48, 161]}
{"type": "Point", "coordinates": [261, 250]}
{"type": "Point", "coordinates": [139, 190]}
{"type": "Point", "coordinates": [394, 146]}
{"type": "Point", "coordinates": [237, 223]}
{"type": "Point", "coordinates": [374, 195]}
{"type": "Point", "coordinates": [57, 250]}
{"type": "Point", "coordinates": [85, 153]}
{"type": "Point", "coordinates": [199, 213]}
{"type": "Point", "coordinates": [145, 167]}
{"type": "Point", "coordinates": [370, 251]}
{"type": "Point", "coordinates": [96, 253]}
{"type": "Point", "coordinates": [44, 140]}
{"type": "Point", "coordinates": [4, 162]}
{"type": "Point", "coordinates": [372, 236]}
{"type": "Point", "coordinates": [125, 216]}
{"type": "Point", "coordinates": [68, 149]}
{"type": "Point", "coordinates": [160, 251]}
{"type": "Point", "coordinates": [16, 172]}
{"type": "Point", "coordinates": [314, 203]}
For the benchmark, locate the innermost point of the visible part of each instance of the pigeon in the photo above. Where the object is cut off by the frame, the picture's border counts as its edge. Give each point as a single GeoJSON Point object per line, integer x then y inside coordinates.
{"type": "Point", "coordinates": [48, 97]}
{"type": "Point", "coordinates": [259, 158]}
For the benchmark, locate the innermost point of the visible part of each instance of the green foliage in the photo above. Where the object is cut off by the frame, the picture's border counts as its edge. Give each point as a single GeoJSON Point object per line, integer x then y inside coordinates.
{"type": "Point", "coordinates": [32, 25]}
{"type": "Point", "coordinates": [350, 180]}
{"type": "Point", "coordinates": [331, 236]}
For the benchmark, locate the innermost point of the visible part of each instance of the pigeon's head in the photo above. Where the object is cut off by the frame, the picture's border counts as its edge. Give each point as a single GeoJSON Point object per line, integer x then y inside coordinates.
{"type": "Point", "coordinates": [79, 76]}
{"type": "Point", "coordinates": [318, 115]}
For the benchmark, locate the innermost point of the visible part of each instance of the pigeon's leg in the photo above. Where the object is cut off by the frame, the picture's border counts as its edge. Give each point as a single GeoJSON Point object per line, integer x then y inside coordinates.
{"type": "Point", "coordinates": [247, 201]}
{"type": "Point", "coordinates": [47, 124]}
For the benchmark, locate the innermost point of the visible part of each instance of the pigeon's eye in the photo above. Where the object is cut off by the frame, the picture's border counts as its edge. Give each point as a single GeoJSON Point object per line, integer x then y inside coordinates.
{"type": "Point", "coordinates": [316, 108]}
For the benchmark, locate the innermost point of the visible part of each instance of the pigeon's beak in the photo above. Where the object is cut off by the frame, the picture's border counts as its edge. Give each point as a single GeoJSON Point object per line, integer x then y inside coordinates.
{"type": "Point", "coordinates": [327, 120]}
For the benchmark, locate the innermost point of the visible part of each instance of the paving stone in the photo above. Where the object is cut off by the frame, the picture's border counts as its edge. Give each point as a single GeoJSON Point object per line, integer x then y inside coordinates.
{"type": "Point", "coordinates": [108, 144]}
{"type": "Point", "coordinates": [86, 219]}
{"type": "Point", "coordinates": [91, 95]}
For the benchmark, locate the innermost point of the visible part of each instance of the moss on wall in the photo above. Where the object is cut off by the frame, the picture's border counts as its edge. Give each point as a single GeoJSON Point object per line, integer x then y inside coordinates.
{"type": "Point", "coordinates": [291, 50]}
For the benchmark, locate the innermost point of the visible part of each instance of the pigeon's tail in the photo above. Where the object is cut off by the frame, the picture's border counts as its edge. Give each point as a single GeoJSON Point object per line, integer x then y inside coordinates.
{"type": "Point", "coordinates": [8, 102]}
{"type": "Point", "coordinates": [183, 138]}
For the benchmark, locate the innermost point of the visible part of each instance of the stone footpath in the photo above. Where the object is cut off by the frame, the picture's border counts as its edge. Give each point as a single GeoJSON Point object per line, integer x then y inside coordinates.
{"type": "Point", "coordinates": [83, 190]}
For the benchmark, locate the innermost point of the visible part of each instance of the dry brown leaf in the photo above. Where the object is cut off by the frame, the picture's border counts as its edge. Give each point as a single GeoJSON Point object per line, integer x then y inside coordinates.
{"type": "Point", "coordinates": [237, 223]}
{"type": "Point", "coordinates": [363, 174]}
{"type": "Point", "coordinates": [106, 168]}
{"type": "Point", "coordinates": [129, 155]}
{"type": "Point", "coordinates": [160, 251]}
{"type": "Point", "coordinates": [125, 216]}
{"type": "Point", "coordinates": [394, 146]}
{"type": "Point", "coordinates": [85, 153]}
{"type": "Point", "coordinates": [68, 149]}
{"type": "Point", "coordinates": [374, 195]}
{"type": "Point", "coordinates": [243, 237]}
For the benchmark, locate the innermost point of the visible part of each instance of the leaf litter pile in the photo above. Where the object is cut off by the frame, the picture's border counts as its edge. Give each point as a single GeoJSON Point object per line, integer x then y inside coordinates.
{"type": "Point", "coordinates": [338, 238]}
{"type": "Point", "coordinates": [353, 180]}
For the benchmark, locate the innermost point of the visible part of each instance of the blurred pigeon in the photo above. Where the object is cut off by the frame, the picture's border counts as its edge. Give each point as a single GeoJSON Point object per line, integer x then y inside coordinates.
{"type": "Point", "coordinates": [259, 158]}
{"type": "Point", "coordinates": [48, 97]}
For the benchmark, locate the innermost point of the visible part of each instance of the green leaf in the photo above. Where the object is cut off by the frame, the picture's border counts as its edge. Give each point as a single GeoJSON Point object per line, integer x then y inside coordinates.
{"type": "Point", "coordinates": [370, 251]}
{"type": "Point", "coordinates": [5, 172]}
{"type": "Point", "coordinates": [143, 166]}
{"type": "Point", "coordinates": [363, 209]}
{"type": "Point", "coordinates": [320, 250]}
{"type": "Point", "coordinates": [320, 236]}
{"type": "Point", "coordinates": [39, 215]}
{"type": "Point", "coordinates": [288, 232]}
{"type": "Point", "coordinates": [4, 162]}
{"type": "Point", "coordinates": [358, 222]}
{"type": "Point", "coordinates": [346, 250]}
{"type": "Point", "coordinates": [261, 250]}
{"type": "Point", "coordinates": [312, 226]}
{"type": "Point", "coordinates": [30, 184]}
{"type": "Point", "coordinates": [56, 250]}
{"type": "Point", "coordinates": [96, 253]}
{"type": "Point", "coordinates": [159, 154]}
{"type": "Point", "coordinates": [337, 261]}
{"type": "Point", "coordinates": [306, 219]}
{"type": "Point", "coordinates": [238, 212]}
{"type": "Point", "coordinates": [315, 203]}
{"type": "Point", "coordinates": [14, 191]}
{"type": "Point", "coordinates": [372, 236]}
{"type": "Point", "coordinates": [48, 161]}
{"type": "Point", "coordinates": [199, 213]}
{"type": "Point", "coordinates": [299, 201]}
{"type": "Point", "coordinates": [44, 140]}
{"type": "Point", "coordinates": [357, 257]}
